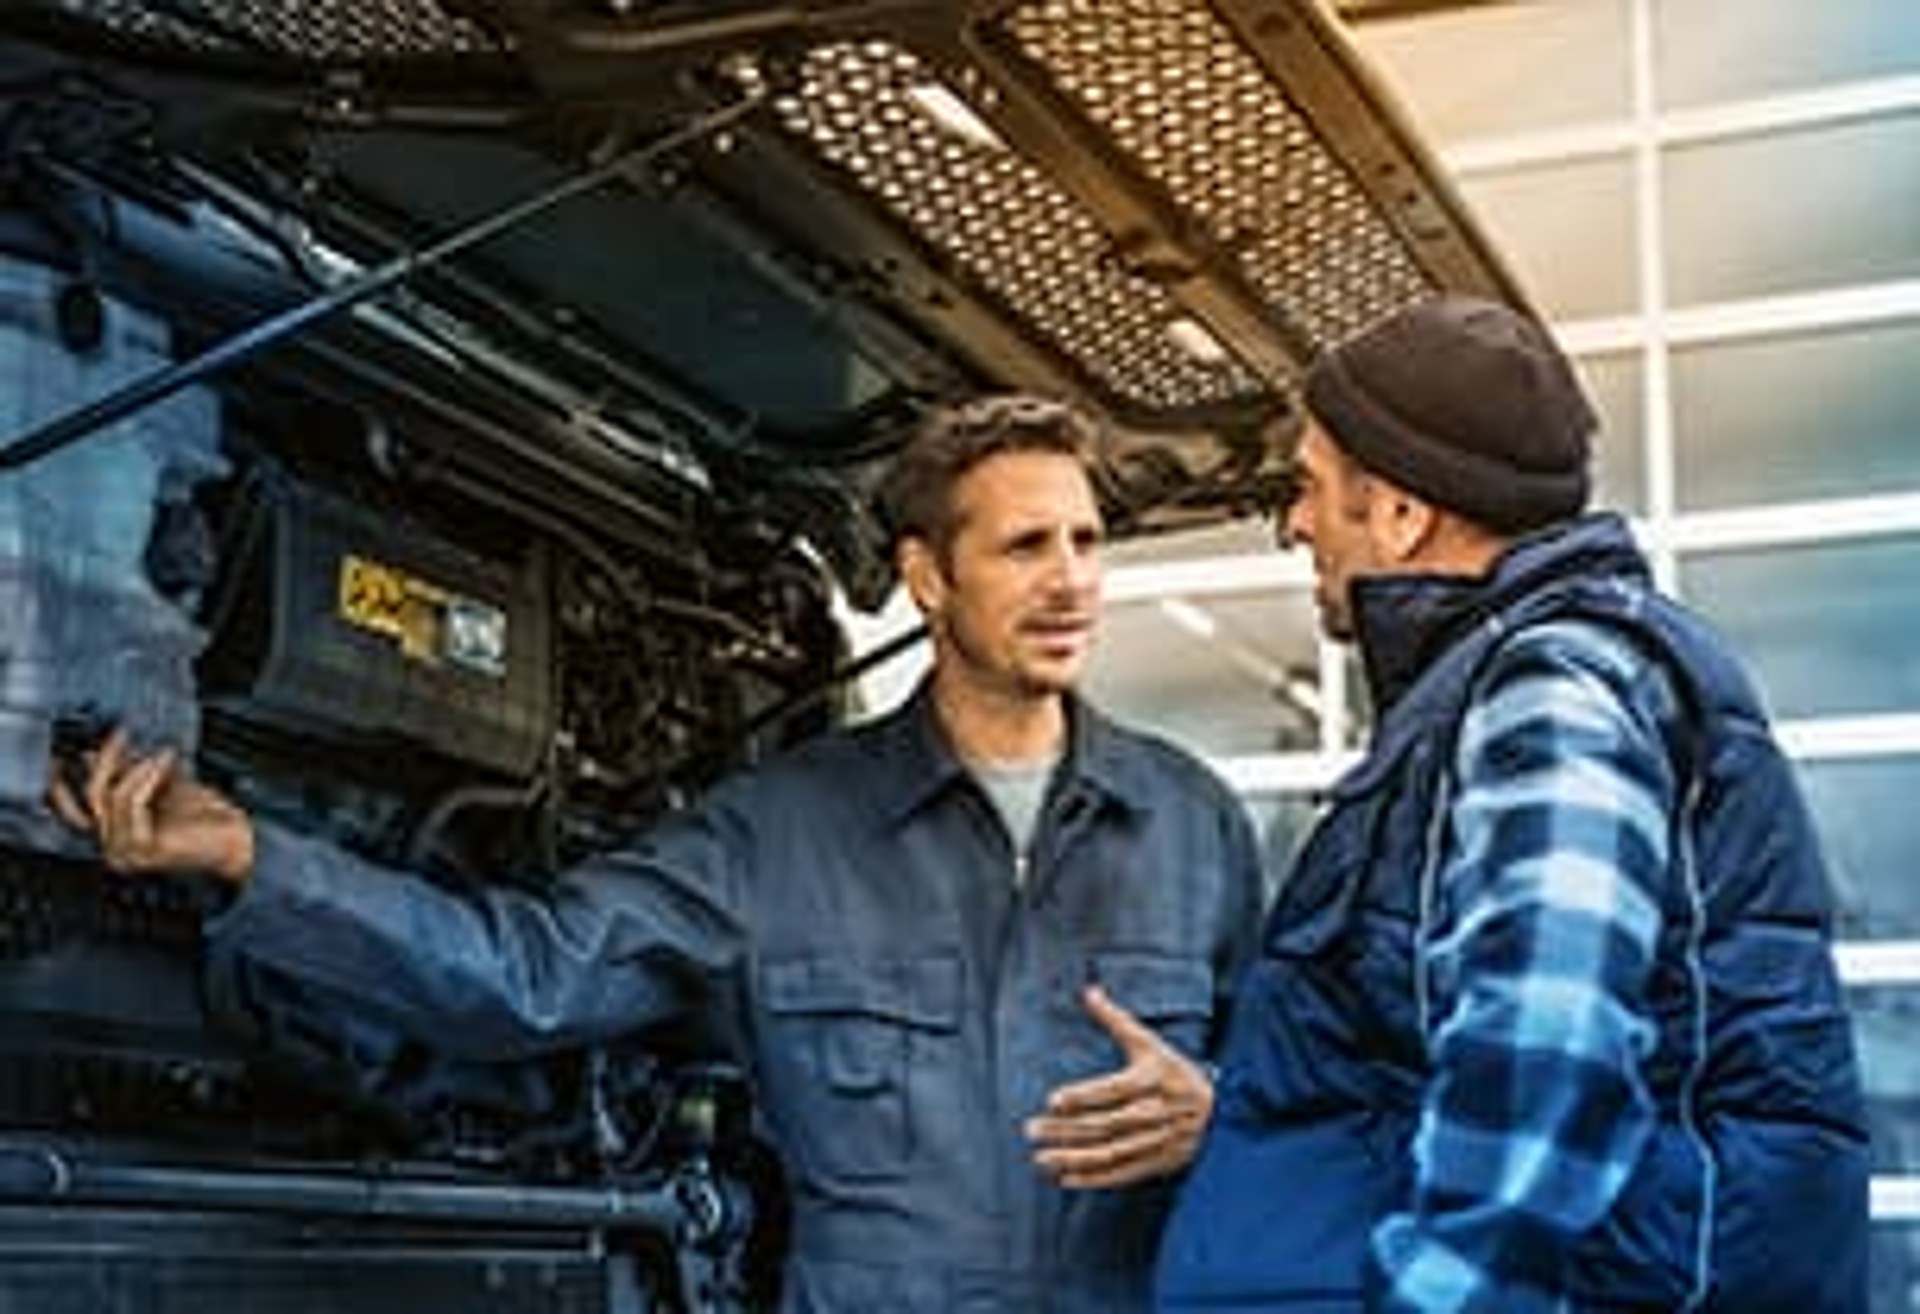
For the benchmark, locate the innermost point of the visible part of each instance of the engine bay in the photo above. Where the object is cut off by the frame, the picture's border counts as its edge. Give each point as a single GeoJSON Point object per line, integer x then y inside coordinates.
{"type": "Point", "coordinates": [416, 656]}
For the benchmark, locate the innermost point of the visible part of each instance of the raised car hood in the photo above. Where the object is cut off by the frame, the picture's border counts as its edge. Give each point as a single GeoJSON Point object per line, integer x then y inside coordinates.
{"type": "Point", "coordinates": [809, 220]}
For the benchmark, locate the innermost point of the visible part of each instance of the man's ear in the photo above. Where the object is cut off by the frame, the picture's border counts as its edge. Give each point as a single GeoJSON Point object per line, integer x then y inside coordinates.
{"type": "Point", "coordinates": [920, 572]}
{"type": "Point", "coordinates": [1407, 524]}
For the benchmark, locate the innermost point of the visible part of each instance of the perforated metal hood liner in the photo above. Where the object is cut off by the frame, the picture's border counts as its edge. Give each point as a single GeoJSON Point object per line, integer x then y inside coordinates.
{"type": "Point", "coordinates": [1165, 207]}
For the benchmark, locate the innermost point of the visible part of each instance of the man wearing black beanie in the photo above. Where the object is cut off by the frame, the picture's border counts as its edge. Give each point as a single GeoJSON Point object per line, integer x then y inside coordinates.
{"type": "Point", "coordinates": [1546, 1016]}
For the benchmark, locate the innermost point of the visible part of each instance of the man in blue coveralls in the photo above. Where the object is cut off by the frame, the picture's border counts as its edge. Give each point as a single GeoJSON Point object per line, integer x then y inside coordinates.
{"type": "Point", "coordinates": [977, 949]}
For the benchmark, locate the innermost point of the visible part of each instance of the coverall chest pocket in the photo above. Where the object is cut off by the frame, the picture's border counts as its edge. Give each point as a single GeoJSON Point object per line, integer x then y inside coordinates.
{"type": "Point", "coordinates": [847, 1037]}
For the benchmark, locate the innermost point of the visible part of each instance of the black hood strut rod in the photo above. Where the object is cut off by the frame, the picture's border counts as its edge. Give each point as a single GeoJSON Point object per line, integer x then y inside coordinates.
{"type": "Point", "coordinates": [161, 383]}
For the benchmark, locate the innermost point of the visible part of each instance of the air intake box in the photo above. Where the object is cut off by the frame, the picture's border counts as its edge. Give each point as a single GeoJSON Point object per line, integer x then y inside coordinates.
{"type": "Point", "coordinates": [341, 622]}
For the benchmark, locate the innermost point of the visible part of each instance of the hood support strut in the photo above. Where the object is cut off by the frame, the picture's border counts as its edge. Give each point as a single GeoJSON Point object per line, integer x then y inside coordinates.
{"type": "Point", "coordinates": [158, 384]}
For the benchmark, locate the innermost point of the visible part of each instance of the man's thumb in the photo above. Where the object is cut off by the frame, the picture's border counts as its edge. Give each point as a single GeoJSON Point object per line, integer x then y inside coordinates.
{"type": "Point", "coordinates": [1128, 1031]}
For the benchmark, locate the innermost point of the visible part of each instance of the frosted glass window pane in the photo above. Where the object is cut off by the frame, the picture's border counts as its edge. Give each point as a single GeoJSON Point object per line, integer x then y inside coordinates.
{"type": "Point", "coordinates": [1712, 52]}
{"type": "Point", "coordinates": [1829, 629]}
{"type": "Point", "coordinates": [1614, 385]}
{"type": "Point", "coordinates": [1887, 1024]}
{"type": "Point", "coordinates": [1500, 69]}
{"type": "Point", "coordinates": [1870, 830]}
{"type": "Point", "coordinates": [1871, 833]}
{"type": "Point", "coordinates": [1567, 232]}
{"type": "Point", "coordinates": [1246, 687]}
{"type": "Point", "coordinates": [1794, 211]}
{"type": "Point", "coordinates": [1835, 414]}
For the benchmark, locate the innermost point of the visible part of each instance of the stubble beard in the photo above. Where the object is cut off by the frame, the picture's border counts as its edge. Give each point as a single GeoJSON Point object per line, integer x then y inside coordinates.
{"type": "Point", "coordinates": [1016, 677]}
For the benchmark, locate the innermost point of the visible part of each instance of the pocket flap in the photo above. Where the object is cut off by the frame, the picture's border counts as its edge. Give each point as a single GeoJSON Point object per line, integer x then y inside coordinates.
{"type": "Point", "coordinates": [1154, 986]}
{"type": "Point", "coordinates": [922, 991]}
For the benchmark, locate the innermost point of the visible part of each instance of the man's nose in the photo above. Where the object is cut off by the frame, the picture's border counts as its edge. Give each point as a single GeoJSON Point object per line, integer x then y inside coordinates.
{"type": "Point", "coordinates": [1290, 529]}
{"type": "Point", "coordinates": [1075, 565]}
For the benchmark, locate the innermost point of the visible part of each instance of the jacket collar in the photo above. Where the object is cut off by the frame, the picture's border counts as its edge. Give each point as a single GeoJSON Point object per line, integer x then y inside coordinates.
{"type": "Point", "coordinates": [1404, 622]}
{"type": "Point", "coordinates": [921, 763]}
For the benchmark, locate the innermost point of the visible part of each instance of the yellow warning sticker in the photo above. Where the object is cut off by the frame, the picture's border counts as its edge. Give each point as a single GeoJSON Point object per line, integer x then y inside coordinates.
{"type": "Point", "coordinates": [431, 624]}
{"type": "Point", "coordinates": [387, 600]}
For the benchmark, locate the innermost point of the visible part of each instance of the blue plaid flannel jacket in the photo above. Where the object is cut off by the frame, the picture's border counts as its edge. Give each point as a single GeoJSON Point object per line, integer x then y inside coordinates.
{"type": "Point", "coordinates": [1547, 925]}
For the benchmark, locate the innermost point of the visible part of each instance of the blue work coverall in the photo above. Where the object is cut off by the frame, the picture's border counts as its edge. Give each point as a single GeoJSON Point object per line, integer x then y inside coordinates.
{"type": "Point", "coordinates": [906, 987]}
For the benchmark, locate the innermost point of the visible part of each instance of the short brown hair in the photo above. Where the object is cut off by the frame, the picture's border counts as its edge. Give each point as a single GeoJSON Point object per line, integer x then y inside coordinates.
{"type": "Point", "coordinates": [916, 496]}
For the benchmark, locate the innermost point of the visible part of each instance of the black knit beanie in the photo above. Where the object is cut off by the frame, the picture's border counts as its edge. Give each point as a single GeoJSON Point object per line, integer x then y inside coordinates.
{"type": "Point", "coordinates": [1465, 403]}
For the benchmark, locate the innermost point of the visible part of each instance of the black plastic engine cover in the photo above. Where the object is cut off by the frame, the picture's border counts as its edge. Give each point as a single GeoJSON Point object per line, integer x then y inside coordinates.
{"type": "Point", "coordinates": [351, 626]}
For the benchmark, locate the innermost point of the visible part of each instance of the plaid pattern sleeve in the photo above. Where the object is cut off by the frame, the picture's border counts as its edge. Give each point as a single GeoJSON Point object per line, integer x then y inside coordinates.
{"type": "Point", "coordinates": [1537, 962]}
